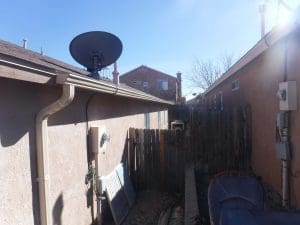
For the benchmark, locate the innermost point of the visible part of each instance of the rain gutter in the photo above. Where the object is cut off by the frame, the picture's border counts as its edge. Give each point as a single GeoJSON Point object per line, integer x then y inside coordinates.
{"type": "Point", "coordinates": [15, 71]}
{"type": "Point", "coordinates": [91, 84]}
{"type": "Point", "coordinates": [42, 150]}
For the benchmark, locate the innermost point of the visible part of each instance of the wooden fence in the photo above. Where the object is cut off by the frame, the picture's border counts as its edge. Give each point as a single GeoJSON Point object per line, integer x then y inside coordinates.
{"type": "Point", "coordinates": [156, 159]}
{"type": "Point", "coordinates": [221, 140]}
{"type": "Point", "coordinates": [215, 140]}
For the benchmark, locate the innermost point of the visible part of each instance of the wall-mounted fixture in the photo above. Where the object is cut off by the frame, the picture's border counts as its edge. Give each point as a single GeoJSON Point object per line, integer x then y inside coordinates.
{"type": "Point", "coordinates": [100, 137]}
{"type": "Point", "coordinates": [283, 151]}
{"type": "Point", "coordinates": [177, 125]}
{"type": "Point", "coordinates": [287, 95]}
{"type": "Point", "coordinates": [282, 144]}
{"type": "Point", "coordinates": [104, 138]}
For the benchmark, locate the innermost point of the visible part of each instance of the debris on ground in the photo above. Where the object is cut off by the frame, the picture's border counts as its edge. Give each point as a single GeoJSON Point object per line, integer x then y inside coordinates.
{"type": "Point", "coordinates": [177, 216]}
{"type": "Point", "coordinates": [149, 206]}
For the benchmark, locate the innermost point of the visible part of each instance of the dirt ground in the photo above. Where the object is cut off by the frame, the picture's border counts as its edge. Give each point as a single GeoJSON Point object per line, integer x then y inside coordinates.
{"type": "Point", "coordinates": [148, 207]}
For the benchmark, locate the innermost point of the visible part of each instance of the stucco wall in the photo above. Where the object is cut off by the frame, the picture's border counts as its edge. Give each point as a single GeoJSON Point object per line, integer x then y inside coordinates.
{"type": "Point", "coordinates": [68, 156]}
{"type": "Point", "coordinates": [259, 82]}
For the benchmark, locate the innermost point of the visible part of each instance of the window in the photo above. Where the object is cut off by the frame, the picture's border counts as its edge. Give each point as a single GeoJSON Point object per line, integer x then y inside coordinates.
{"type": "Point", "coordinates": [138, 82]}
{"type": "Point", "coordinates": [158, 120]}
{"type": "Point", "coordinates": [147, 120]}
{"type": "Point", "coordinates": [145, 85]}
{"type": "Point", "coordinates": [235, 85]}
{"type": "Point", "coordinates": [162, 84]}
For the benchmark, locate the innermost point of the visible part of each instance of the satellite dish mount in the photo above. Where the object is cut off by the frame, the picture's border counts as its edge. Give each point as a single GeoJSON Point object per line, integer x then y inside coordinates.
{"type": "Point", "coordinates": [96, 65]}
{"type": "Point", "coordinates": [95, 50]}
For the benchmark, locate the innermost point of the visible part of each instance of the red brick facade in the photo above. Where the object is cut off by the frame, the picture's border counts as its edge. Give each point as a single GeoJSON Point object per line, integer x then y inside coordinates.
{"type": "Point", "coordinates": [256, 85]}
{"type": "Point", "coordinates": [153, 82]}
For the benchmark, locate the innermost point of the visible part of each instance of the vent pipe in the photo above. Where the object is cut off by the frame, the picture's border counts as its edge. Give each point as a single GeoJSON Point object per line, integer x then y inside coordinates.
{"type": "Point", "coordinates": [42, 51]}
{"type": "Point", "coordinates": [262, 11]}
{"type": "Point", "coordinates": [115, 73]}
{"type": "Point", "coordinates": [25, 43]}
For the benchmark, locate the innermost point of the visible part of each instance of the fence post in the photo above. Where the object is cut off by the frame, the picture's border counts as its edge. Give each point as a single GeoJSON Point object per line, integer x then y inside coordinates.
{"type": "Point", "coordinates": [162, 157]}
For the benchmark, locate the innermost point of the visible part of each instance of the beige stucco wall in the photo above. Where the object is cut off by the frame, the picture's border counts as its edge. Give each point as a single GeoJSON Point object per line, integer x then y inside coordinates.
{"type": "Point", "coordinates": [117, 116]}
{"type": "Point", "coordinates": [259, 82]}
{"type": "Point", "coordinates": [20, 102]}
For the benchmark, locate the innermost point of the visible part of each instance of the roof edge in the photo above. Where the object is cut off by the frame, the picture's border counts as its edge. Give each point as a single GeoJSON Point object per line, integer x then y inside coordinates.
{"type": "Point", "coordinates": [260, 47]}
{"type": "Point", "coordinates": [17, 71]}
{"type": "Point", "coordinates": [100, 86]}
{"type": "Point", "coordinates": [141, 66]}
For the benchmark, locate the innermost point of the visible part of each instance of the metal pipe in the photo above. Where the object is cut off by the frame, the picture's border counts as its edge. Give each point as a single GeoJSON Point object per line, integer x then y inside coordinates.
{"type": "Point", "coordinates": [42, 150]}
{"type": "Point", "coordinates": [285, 184]}
{"type": "Point", "coordinates": [285, 138]}
{"type": "Point", "coordinates": [284, 133]}
{"type": "Point", "coordinates": [116, 79]}
{"type": "Point", "coordinates": [25, 43]}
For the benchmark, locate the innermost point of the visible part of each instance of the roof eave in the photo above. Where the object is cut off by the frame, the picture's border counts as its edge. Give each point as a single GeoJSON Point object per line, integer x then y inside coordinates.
{"type": "Point", "coordinates": [104, 87]}
{"type": "Point", "coordinates": [17, 71]}
{"type": "Point", "coordinates": [261, 46]}
{"type": "Point", "coordinates": [28, 73]}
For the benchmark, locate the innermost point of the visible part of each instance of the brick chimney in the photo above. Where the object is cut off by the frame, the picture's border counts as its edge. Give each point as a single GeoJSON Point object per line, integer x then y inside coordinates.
{"type": "Point", "coordinates": [179, 93]}
{"type": "Point", "coordinates": [116, 74]}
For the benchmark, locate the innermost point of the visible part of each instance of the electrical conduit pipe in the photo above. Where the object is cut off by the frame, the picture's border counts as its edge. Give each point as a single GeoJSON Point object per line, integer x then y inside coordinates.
{"type": "Point", "coordinates": [42, 150]}
{"type": "Point", "coordinates": [285, 138]}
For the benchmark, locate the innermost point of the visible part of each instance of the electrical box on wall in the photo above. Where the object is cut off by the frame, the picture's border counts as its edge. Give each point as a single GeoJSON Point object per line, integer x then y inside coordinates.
{"type": "Point", "coordinates": [99, 139]}
{"type": "Point", "coordinates": [283, 151]}
{"type": "Point", "coordinates": [287, 94]}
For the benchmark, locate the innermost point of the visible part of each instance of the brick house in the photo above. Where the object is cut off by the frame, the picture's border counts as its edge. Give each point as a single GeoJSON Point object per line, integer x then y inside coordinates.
{"type": "Point", "coordinates": [254, 81]}
{"type": "Point", "coordinates": [154, 82]}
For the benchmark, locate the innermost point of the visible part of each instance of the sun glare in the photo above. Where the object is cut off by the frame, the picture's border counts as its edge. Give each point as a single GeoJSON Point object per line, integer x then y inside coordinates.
{"type": "Point", "coordinates": [281, 12]}
{"type": "Point", "coordinates": [284, 16]}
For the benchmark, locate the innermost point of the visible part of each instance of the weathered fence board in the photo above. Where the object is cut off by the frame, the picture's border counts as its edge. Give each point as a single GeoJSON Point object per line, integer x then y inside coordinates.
{"type": "Point", "coordinates": [220, 140]}
{"type": "Point", "coordinates": [216, 140]}
{"type": "Point", "coordinates": [159, 159]}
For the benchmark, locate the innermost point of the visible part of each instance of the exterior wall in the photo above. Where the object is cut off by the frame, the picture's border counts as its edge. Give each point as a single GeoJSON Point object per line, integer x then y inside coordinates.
{"type": "Point", "coordinates": [145, 74]}
{"type": "Point", "coordinates": [259, 82]}
{"type": "Point", "coordinates": [68, 156]}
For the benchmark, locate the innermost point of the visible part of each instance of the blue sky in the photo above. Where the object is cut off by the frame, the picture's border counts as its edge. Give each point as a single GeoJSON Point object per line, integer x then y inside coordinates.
{"type": "Point", "coordinates": [164, 34]}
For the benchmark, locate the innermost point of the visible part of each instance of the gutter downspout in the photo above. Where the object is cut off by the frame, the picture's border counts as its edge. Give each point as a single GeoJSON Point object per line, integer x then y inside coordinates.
{"type": "Point", "coordinates": [42, 150]}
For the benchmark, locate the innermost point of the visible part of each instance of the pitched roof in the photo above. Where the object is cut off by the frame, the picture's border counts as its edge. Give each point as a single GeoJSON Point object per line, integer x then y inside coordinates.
{"type": "Point", "coordinates": [270, 39]}
{"type": "Point", "coordinates": [13, 50]}
{"type": "Point", "coordinates": [143, 67]}
{"type": "Point", "coordinates": [27, 65]}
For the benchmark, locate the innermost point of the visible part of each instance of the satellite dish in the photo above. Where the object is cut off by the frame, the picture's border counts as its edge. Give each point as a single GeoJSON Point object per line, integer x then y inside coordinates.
{"type": "Point", "coordinates": [95, 50]}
